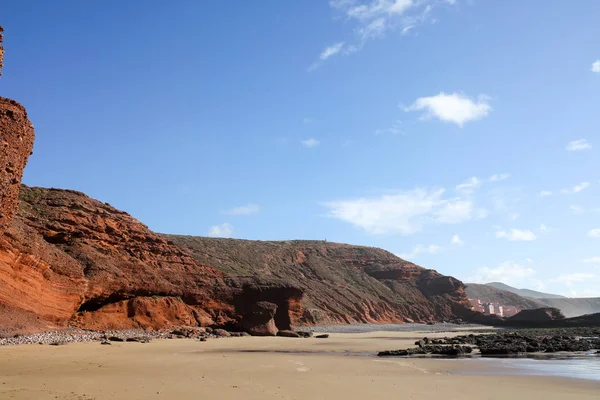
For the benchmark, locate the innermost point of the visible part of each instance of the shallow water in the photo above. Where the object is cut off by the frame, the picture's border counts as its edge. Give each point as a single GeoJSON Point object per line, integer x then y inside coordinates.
{"type": "Point", "coordinates": [566, 366]}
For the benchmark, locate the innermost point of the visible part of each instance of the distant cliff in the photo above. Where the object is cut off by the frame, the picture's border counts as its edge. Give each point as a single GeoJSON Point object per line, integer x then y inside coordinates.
{"type": "Point", "coordinates": [570, 307]}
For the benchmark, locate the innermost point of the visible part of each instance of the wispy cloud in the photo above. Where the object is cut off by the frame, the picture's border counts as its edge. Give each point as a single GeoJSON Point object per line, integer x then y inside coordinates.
{"type": "Point", "coordinates": [310, 143]}
{"type": "Point", "coordinates": [545, 193]}
{"type": "Point", "coordinates": [224, 230]}
{"type": "Point", "coordinates": [593, 260]}
{"type": "Point", "coordinates": [577, 188]}
{"type": "Point", "coordinates": [420, 249]}
{"type": "Point", "coordinates": [578, 145]}
{"type": "Point", "coordinates": [508, 272]}
{"type": "Point", "coordinates": [594, 233]}
{"type": "Point", "coordinates": [596, 67]}
{"type": "Point", "coordinates": [469, 185]}
{"type": "Point", "coordinates": [499, 177]}
{"type": "Point", "coordinates": [395, 129]}
{"type": "Point", "coordinates": [247, 209]}
{"type": "Point", "coordinates": [373, 19]}
{"type": "Point", "coordinates": [328, 52]}
{"type": "Point", "coordinates": [405, 212]}
{"type": "Point", "coordinates": [569, 279]}
{"type": "Point", "coordinates": [456, 240]}
{"type": "Point", "coordinates": [576, 209]}
{"type": "Point", "coordinates": [516, 235]}
{"type": "Point", "coordinates": [455, 108]}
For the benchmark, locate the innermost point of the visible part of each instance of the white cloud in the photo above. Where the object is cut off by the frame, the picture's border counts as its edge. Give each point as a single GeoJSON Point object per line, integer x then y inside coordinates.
{"type": "Point", "coordinates": [516, 235]}
{"type": "Point", "coordinates": [469, 185]}
{"type": "Point", "coordinates": [403, 213]}
{"type": "Point", "coordinates": [457, 240]}
{"type": "Point", "coordinates": [569, 279]}
{"type": "Point", "coordinates": [455, 108]}
{"type": "Point", "coordinates": [331, 51]}
{"type": "Point", "coordinates": [596, 67]}
{"type": "Point", "coordinates": [396, 129]}
{"type": "Point", "coordinates": [328, 52]}
{"type": "Point", "coordinates": [578, 145]}
{"type": "Point", "coordinates": [248, 209]}
{"type": "Point", "coordinates": [529, 260]}
{"type": "Point", "coordinates": [543, 228]}
{"type": "Point", "coordinates": [420, 249]}
{"type": "Point", "coordinates": [372, 19]}
{"type": "Point", "coordinates": [581, 186]}
{"type": "Point", "coordinates": [577, 188]}
{"type": "Point", "coordinates": [575, 209]}
{"type": "Point", "coordinates": [310, 143]}
{"type": "Point", "coordinates": [593, 260]}
{"type": "Point", "coordinates": [545, 193]}
{"type": "Point", "coordinates": [224, 230]}
{"type": "Point", "coordinates": [499, 177]}
{"type": "Point", "coordinates": [507, 272]}
{"type": "Point", "coordinates": [595, 233]}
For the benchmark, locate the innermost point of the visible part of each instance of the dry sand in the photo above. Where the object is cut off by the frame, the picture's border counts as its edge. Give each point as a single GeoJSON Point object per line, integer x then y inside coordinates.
{"type": "Point", "coordinates": [262, 368]}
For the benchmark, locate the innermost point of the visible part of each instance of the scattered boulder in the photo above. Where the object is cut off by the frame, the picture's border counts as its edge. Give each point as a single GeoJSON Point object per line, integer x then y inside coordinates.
{"type": "Point", "coordinates": [323, 336]}
{"type": "Point", "coordinates": [116, 339]}
{"type": "Point", "coordinates": [239, 334]}
{"type": "Point", "coordinates": [305, 334]}
{"type": "Point", "coordinates": [287, 333]}
{"type": "Point", "coordinates": [105, 342]}
{"type": "Point", "coordinates": [221, 333]}
{"type": "Point", "coordinates": [259, 322]}
{"type": "Point", "coordinates": [451, 350]}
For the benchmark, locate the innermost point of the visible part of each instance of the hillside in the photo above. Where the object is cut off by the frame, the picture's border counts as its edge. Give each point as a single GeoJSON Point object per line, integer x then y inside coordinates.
{"type": "Point", "coordinates": [570, 307]}
{"type": "Point", "coordinates": [490, 294]}
{"type": "Point", "coordinates": [67, 259]}
{"type": "Point", "coordinates": [524, 292]}
{"type": "Point", "coordinates": [574, 307]}
{"type": "Point", "coordinates": [341, 283]}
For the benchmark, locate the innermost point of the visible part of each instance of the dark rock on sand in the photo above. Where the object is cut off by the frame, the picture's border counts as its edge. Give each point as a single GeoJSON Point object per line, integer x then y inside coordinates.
{"type": "Point", "coordinates": [324, 336]}
{"type": "Point", "coordinates": [221, 333]}
{"type": "Point", "coordinates": [451, 350]}
{"type": "Point", "coordinates": [259, 322]}
{"type": "Point", "coordinates": [305, 334]}
{"type": "Point", "coordinates": [287, 333]}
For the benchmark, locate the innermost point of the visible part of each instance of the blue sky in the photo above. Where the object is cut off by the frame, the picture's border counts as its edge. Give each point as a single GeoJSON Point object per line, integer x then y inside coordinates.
{"type": "Point", "coordinates": [462, 135]}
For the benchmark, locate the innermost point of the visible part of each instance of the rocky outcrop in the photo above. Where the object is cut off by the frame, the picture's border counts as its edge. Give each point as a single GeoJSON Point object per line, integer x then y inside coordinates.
{"type": "Point", "coordinates": [538, 315]}
{"type": "Point", "coordinates": [1, 50]}
{"type": "Point", "coordinates": [259, 321]}
{"type": "Point", "coordinates": [16, 143]}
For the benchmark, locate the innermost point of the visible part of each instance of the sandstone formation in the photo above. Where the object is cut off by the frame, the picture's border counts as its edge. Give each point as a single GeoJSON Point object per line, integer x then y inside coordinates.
{"type": "Point", "coordinates": [341, 283]}
{"type": "Point", "coordinates": [71, 260]}
{"type": "Point", "coordinates": [1, 50]}
{"type": "Point", "coordinates": [259, 322]}
{"type": "Point", "coordinates": [16, 143]}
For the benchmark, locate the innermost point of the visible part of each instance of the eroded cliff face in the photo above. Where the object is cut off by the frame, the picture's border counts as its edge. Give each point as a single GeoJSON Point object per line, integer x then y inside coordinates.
{"type": "Point", "coordinates": [16, 143]}
{"type": "Point", "coordinates": [341, 283]}
{"type": "Point", "coordinates": [72, 260]}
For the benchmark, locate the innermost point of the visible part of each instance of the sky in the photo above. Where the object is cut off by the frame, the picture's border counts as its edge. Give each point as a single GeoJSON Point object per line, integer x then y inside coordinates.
{"type": "Point", "coordinates": [462, 135]}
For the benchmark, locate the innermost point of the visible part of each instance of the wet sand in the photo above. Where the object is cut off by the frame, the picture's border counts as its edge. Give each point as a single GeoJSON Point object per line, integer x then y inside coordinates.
{"type": "Point", "coordinates": [263, 368]}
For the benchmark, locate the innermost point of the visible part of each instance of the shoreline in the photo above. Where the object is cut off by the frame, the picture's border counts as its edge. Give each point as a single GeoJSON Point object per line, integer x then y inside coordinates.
{"type": "Point", "coordinates": [266, 368]}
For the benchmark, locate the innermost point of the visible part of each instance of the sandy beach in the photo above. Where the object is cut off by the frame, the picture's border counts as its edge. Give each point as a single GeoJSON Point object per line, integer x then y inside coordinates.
{"type": "Point", "coordinates": [263, 368]}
